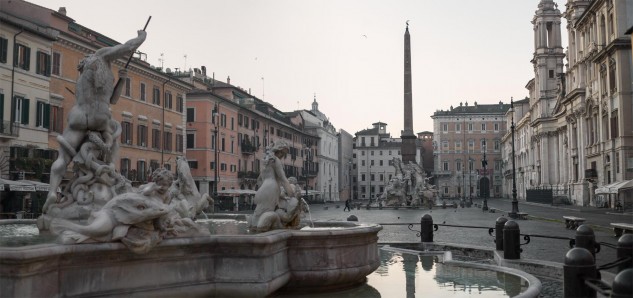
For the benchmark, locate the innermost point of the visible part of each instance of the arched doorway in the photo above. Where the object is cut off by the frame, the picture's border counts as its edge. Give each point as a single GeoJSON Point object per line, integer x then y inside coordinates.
{"type": "Point", "coordinates": [484, 187]}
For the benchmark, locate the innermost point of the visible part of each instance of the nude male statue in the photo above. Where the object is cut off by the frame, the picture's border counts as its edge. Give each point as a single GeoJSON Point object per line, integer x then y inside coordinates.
{"type": "Point", "coordinates": [91, 112]}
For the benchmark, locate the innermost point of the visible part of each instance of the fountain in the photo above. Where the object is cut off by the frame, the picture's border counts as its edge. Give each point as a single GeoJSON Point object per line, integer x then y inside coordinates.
{"type": "Point", "coordinates": [408, 187]}
{"type": "Point", "coordinates": [114, 240]}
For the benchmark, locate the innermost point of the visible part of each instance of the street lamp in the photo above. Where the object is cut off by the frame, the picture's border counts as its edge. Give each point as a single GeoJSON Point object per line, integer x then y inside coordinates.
{"type": "Point", "coordinates": [515, 203]}
{"type": "Point", "coordinates": [349, 178]}
{"type": "Point", "coordinates": [215, 115]}
{"type": "Point", "coordinates": [483, 191]}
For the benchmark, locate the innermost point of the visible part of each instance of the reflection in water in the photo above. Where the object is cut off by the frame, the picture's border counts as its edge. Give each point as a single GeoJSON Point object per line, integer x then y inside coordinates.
{"type": "Point", "coordinates": [404, 274]}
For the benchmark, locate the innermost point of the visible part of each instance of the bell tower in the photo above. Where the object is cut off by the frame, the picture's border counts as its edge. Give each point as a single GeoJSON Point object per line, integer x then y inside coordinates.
{"type": "Point", "coordinates": [548, 56]}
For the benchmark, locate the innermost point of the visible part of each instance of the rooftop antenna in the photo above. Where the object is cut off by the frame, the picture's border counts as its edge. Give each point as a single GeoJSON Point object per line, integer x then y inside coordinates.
{"type": "Point", "coordinates": [161, 60]}
{"type": "Point", "coordinates": [185, 68]}
{"type": "Point", "coordinates": [263, 89]}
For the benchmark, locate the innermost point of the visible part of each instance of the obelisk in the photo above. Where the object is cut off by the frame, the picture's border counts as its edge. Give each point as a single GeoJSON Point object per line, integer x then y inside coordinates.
{"type": "Point", "coordinates": [408, 137]}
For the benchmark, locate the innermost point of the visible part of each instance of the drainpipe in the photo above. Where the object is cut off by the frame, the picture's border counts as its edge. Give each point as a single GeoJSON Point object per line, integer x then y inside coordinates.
{"type": "Point", "coordinates": [13, 80]}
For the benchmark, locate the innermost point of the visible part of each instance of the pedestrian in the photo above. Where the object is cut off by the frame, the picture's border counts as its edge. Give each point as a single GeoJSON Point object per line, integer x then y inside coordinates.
{"type": "Point", "coordinates": [347, 207]}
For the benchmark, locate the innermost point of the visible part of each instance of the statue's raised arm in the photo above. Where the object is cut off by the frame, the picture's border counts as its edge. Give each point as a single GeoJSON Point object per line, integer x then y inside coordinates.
{"type": "Point", "coordinates": [121, 50]}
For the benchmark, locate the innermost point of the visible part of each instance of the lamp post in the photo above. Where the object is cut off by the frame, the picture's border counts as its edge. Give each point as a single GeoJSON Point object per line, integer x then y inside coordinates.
{"type": "Point", "coordinates": [515, 203]}
{"type": "Point", "coordinates": [482, 190]}
{"type": "Point", "coordinates": [349, 179]}
{"type": "Point", "coordinates": [217, 152]}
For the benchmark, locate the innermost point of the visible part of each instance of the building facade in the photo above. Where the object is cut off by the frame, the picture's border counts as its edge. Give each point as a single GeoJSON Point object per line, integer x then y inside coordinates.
{"type": "Point", "coordinates": [467, 150]}
{"type": "Point", "coordinates": [578, 130]}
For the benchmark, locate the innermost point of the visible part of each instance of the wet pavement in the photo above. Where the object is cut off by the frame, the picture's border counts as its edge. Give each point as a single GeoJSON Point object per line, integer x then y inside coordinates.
{"type": "Point", "coordinates": [543, 220]}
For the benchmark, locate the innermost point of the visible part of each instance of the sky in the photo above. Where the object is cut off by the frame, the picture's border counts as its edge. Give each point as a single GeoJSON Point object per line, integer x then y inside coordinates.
{"type": "Point", "coordinates": [348, 54]}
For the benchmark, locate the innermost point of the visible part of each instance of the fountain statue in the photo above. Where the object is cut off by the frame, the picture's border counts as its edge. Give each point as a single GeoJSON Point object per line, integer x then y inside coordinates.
{"type": "Point", "coordinates": [98, 218]}
{"type": "Point", "coordinates": [409, 187]}
{"type": "Point", "coordinates": [99, 204]}
{"type": "Point", "coordinates": [278, 200]}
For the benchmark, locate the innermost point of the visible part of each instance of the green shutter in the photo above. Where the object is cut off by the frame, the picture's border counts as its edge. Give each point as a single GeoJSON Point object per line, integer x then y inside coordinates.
{"type": "Point", "coordinates": [47, 115]}
{"type": "Point", "coordinates": [38, 108]}
{"type": "Point", "coordinates": [27, 58]}
{"type": "Point", "coordinates": [1, 108]}
{"type": "Point", "coordinates": [38, 62]}
{"type": "Point", "coordinates": [15, 54]}
{"type": "Point", "coordinates": [25, 111]}
{"type": "Point", "coordinates": [48, 66]}
{"type": "Point", "coordinates": [4, 43]}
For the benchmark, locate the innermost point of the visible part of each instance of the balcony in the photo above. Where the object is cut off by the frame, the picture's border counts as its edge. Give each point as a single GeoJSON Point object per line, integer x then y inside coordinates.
{"type": "Point", "coordinates": [247, 175]}
{"type": "Point", "coordinates": [442, 173]}
{"type": "Point", "coordinates": [8, 129]}
{"type": "Point", "coordinates": [248, 149]}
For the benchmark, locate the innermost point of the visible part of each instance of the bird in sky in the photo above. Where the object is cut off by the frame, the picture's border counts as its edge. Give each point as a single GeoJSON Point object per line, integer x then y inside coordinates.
{"type": "Point", "coordinates": [365, 36]}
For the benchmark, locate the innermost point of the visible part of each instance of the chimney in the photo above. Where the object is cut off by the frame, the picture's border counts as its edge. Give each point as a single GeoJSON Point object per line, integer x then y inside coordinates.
{"type": "Point", "coordinates": [62, 10]}
{"type": "Point", "coordinates": [204, 70]}
{"type": "Point", "coordinates": [228, 80]}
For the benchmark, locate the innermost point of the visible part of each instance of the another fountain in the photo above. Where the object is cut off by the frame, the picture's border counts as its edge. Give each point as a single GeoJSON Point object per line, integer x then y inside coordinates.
{"type": "Point", "coordinates": [409, 187]}
{"type": "Point", "coordinates": [114, 240]}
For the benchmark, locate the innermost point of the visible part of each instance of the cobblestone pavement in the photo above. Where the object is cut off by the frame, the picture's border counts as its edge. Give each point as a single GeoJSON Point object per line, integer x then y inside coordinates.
{"type": "Point", "coordinates": [543, 220]}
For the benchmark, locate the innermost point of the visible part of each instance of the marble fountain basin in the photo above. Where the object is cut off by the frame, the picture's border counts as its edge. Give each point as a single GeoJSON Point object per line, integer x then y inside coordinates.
{"type": "Point", "coordinates": [329, 256]}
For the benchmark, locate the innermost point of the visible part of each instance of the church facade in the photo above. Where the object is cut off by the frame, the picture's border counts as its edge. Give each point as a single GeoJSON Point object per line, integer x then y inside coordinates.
{"type": "Point", "coordinates": [574, 133]}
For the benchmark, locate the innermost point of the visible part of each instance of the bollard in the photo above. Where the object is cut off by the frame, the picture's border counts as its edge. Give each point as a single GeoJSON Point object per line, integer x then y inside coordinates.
{"type": "Point", "coordinates": [352, 218]}
{"type": "Point", "coordinates": [426, 228]}
{"type": "Point", "coordinates": [579, 264]}
{"type": "Point", "coordinates": [501, 221]}
{"type": "Point", "coordinates": [622, 286]}
{"type": "Point", "coordinates": [586, 239]}
{"type": "Point", "coordinates": [511, 240]}
{"type": "Point", "coordinates": [625, 249]}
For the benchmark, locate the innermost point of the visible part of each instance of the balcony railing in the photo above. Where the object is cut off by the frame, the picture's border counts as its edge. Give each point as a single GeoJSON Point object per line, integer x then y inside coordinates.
{"type": "Point", "coordinates": [9, 129]}
{"type": "Point", "coordinates": [247, 175]}
{"type": "Point", "coordinates": [442, 173]}
{"type": "Point", "coordinates": [248, 148]}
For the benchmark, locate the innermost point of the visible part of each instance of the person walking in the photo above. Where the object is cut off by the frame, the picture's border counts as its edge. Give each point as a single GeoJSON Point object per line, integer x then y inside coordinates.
{"type": "Point", "coordinates": [347, 207]}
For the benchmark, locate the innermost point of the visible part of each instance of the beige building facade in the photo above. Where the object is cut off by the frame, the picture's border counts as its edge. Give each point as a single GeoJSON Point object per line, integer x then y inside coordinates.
{"type": "Point", "coordinates": [574, 134]}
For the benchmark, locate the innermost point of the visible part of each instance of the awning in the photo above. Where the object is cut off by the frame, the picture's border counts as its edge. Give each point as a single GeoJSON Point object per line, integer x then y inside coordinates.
{"type": "Point", "coordinates": [614, 188]}
{"type": "Point", "coordinates": [17, 185]}
{"type": "Point", "coordinates": [236, 192]}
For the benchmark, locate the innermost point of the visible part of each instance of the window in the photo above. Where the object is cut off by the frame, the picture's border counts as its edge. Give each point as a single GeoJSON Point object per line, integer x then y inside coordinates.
{"type": "Point", "coordinates": [190, 140]}
{"type": "Point", "coordinates": [126, 132]}
{"type": "Point", "coordinates": [57, 119]}
{"type": "Point", "coordinates": [179, 147]}
{"type": "Point", "coordinates": [213, 141]}
{"type": "Point", "coordinates": [190, 115]}
{"type": "Point", "coordinates": [128, 84]}
{"type": "Point", "coordinates": [156, 96]}
{"type": "Point", "coordinates": [56, 65]}
{"type": "Point", "coordinates": [125, 167]}
{"type": "Point", "coordinates": [42, 117]}
{"type": "Point", "coordinates": [22, 56]}
{"type": "Point", "coordinates": [551, 73]}
{"type": "Point", "coordinates": [381, 162]}
{"type": "Point", "coordinates": [471, 165]}
{"type": "Point", "coordinates": [141, 171]}
{"type": "Point", "coordinates": [43, 64]}
{"type": "Point", "coordinates": [483, 127]}
{"type": "Point", "coordinates": [155, 138]}
{"type": "Point", "coordinates": [458, 166]}
{"type": "Point", "coordinates": [212, 165]}
{"type": "Point", "coordinates": [21, 112]}
{"type": "Point", "coordinates": [179, 103]}
{"type": "Point", "coordinates": [444, 127]}
{"type": "Point", "coordinates": [497, 145]}
{"type": "Point", "coordinates": [168, 100]}
{"type": "Point", "coordinates": [143, 96]}
{"type": "Point", "coordinates": [193, 164]}
{"type": "Point", "coordinates": [362, 163]}
{"type": "Point", "coordinates": [496, 126]}
{"type": "Point", "coordinates": [223, 145]}
{"type": "Point", "coordinates": [167, 141]}
{"type": "Point", "coordinates": [362, 177]}
{"type": "Point", "coordinates": [458, 127]}
{"type": "Point", "coordinates": [223, 167]}
{"type": "Point", "coordinates": [470, 127]}
{"type": "Point", "coordinates": [4, 46]}
{"type": "Point", "coordinates": [371, 162]}
{"type": "Point", "coordinates": [612, 82]}
{"type": "Point", "coordinates": [142, 136]}
{"type": "Point", "coordinates": [445, 166]}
